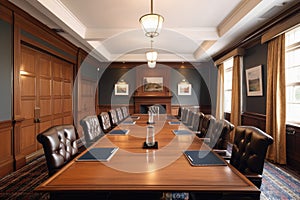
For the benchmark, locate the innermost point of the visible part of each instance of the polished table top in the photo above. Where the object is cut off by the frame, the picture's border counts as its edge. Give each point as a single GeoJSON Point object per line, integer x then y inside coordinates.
{"type": "Point", "coordinates": [134, 168]}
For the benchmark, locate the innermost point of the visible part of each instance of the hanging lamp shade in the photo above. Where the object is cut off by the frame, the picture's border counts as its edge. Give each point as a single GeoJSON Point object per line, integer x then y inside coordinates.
{"type": "Point", "coordinates": [151, 55]}
{"type": "Point", "coordinates": [151, 23]}
{"type": "Point", "coordinates": [151, 64]}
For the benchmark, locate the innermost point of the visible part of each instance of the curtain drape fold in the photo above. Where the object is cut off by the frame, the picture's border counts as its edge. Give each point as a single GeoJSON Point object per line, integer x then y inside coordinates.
{"type": "Point", "coordinates": [276, 100]}
{"type": "Point", "coordinates": [220, 93]}
{"type": "Point", "coordinates": [236, 98]}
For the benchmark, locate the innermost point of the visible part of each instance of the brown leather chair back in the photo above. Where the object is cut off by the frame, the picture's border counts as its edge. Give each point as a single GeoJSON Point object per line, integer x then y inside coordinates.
{"type": "Point", "coordinates": [249, 151]}
{"type": "Point", "coordinates": [119, 115]}
{"type": "Point", "coordinates": [222, 139]}
{"type": "Point", "coordinates": [198, 117]}
{"type": "Point", "coordinates": [91, 128]}
{"type": "Point", "coordinates": [113, 118]}
{"type": "Point", "coordinates": [104, 122]}
{"type": "Point", "coordinates": [125, 111]}
{"type": "Point", "coordinates": [206, 123]}
{"type": "Point", "coordinates": [60, 146]}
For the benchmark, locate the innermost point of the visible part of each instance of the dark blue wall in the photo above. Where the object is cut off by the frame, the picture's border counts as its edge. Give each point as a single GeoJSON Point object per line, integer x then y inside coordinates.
{"type": "Point", "coordinates": [254, 56]}
{"type": "Point", "coordinates": [6, 71]}
{"type": "Point", "coordinates": [203, 78]}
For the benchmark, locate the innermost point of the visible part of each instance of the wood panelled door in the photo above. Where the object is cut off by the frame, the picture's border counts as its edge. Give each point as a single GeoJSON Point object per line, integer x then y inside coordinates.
{"type": "Point", "coordinates": [45, 92]}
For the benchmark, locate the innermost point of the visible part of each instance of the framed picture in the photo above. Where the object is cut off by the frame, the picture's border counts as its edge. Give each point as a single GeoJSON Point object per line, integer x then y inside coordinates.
{"type": "Point", "coordinates": [254, 81]}
{"type": "Point", "coordinates": [121, 89]}
{"type": "Point", "coordinates": [153, 84]}
{"type": "Point", "coordinates": [184, 89]}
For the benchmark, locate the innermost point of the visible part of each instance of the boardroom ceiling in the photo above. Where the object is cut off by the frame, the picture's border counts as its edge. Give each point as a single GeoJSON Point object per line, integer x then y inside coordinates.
{"type": "Point", "coordinates": [193, 30]}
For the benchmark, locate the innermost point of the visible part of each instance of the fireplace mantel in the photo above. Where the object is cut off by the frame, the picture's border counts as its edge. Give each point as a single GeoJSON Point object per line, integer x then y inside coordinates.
{"type": "Point", "coordinates": [151, 100]}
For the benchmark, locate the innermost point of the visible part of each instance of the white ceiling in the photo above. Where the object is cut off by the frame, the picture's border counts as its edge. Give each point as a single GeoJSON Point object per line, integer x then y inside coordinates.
{"type": "Point", "coordinates": [192, 30]}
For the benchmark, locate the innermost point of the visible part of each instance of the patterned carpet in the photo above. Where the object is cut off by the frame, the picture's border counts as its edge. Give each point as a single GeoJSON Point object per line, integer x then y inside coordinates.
{"type": "Point", "coordinates": [277, 184]}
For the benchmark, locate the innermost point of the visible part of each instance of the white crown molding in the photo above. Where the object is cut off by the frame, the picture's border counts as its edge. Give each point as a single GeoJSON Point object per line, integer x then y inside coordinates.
{"type": "Point", "coordinates": [65, 15]}
{"type": "Point", "coordinates": [236, 15]}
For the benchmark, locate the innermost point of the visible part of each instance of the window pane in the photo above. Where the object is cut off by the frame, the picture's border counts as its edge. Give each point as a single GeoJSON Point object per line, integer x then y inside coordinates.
{"type": "Point", "coordinates": [292, 112]}
{"type": "Point", "coordinates": [292, 72]}
{"type": "Point", "coordinates": [227, 101]}
{"type": "Point", "coordinates": [292, 75]}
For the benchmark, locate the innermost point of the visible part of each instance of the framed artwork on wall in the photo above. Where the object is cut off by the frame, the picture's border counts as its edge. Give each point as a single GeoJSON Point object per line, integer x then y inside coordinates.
{"type": "Point", "coordinates": [121, 89]}
{"type": "Point", "coordinates": [153, 84]}
{"type": "Point", "coordinates": [184, 88]}
{"type": "Point", "coordinates": [254, 81]}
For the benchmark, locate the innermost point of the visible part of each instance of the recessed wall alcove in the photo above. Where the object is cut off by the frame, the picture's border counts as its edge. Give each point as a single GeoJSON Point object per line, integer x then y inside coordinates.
{"type": "Point", "coordinates": [144, 98]}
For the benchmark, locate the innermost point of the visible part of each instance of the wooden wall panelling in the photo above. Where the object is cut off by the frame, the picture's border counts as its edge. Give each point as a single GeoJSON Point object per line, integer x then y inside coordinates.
{"type": "Point", "coordinates": [86, 102]}
{"type": "Point", "coordinates": [6, 142]}
{"type": "Point", "coordinates": [6, 148]}
{"type": "Point", "coordinates": [28, 101]}
{"type": "Point", "coordinates": [254, 119]}
{"type": "Point", "coordinates": [293, 147]}
{"type": "Point", "coordinates": [37, 34]}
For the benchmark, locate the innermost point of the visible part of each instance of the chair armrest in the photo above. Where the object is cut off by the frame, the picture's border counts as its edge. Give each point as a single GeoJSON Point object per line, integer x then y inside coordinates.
{"type": "Point", "coordinates": [256, 179]}
{"type": "Point", "coordinates": [224, 153]}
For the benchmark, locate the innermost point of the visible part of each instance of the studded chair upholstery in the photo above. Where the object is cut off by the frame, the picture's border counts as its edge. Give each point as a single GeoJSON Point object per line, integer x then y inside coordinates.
{"type": "Point", "coordinates": [184, 114]}
{"type": "Point", "coordinates": [104, 122]}
{"type": "Point", "coordinates": [249, 151]}
{"type": "Point", "coordinates": [221, 141]}
{"type": "Point", "coordinates": [91, 128]}
{"type": "Point", "coordinates": [60, 146]}
{"type": "Point", "coordinates": [198, 116]}
{"type": "Point", "coordinates": [119, 114]}
{"type": "Point", "coordinates": [205, 125]}
{"type": "Point", "coordinates": [189, 120]}
{"type": "Point", "coordinates": [113, 118]}
{"type": "Point", "coordinates": [125, 112]}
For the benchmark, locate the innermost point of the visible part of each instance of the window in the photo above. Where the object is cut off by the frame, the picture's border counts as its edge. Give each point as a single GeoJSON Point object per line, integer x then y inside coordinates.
{"type": "Point", "coordinates": [228, 65]}
{"type": "Point", "coordinates": [292, 74]}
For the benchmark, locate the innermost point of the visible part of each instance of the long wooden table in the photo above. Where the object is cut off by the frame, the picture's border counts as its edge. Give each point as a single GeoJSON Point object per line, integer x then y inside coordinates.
{"type": "Point", "coordinates": [134, 169]}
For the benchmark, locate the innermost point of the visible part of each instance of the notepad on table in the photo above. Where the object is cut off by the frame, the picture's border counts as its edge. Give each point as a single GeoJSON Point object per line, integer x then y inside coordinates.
{"type": "Point", "coordinates": [119, 132]}
{"type": "Point", "coordinates": [182, 132]}
{"type": "Point", "coordinates": [174, 123]}
{"type": "Point", "coordinates": [135, 117]}
{"type": "Point", "coordinates": [203, 158]}
{"type": "Point", "coordinates": [98, 154]}
{"type": "Point", "coordinates": [129, 122]}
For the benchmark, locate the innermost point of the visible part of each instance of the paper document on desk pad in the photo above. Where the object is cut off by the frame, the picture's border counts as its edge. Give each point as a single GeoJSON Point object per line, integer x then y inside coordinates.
{"type": "Point", "coordinates": [182, 132]}
{"type": "Point", "coordinates": [203, 158]}
{"type": "Point", "coordinates": [119, 132]}
{"type": "Point", "coordinates": [98, 154]}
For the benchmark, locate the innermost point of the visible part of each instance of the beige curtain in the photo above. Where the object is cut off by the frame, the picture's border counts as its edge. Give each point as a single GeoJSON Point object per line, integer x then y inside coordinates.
{"type": "Point", "coordinates": [276, 99]}
{"type": "Point", "coordinates": [220, 93]}
{"type": "Point", "coordinates": [236, 98]}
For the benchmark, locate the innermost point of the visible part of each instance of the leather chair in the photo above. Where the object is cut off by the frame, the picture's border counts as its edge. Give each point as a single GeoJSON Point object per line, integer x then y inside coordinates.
{"type": "Point", "coordinates": [189, 120]}
{"type": "Point", "coordinates": [206, 124]}
{"type": "Point", "coordinates": [104, 122]}
{"type": "Point", "coordinates": [113, 118]}
{"type": "Point", "coordinates": [119, 115]}
{"type": "Point", "coordinates": [60, 146]}
{"type": "Point", "coordinates": [154, 109]}
{"type": "Point", "coordinates": [125, 112]}
{"type": "Point", "coordinates": [184, 112]}
{"type": "Point", "coordinates": [198, 116]}
{"type": "Point", "coordinates": [221, 140]}
{"type": "Point", "coordinates": [91, 128]}
{"type": "Point", "coordinates": [249, 151]}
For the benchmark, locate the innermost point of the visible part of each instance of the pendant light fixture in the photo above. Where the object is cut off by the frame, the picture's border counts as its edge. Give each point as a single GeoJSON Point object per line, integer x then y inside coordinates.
{"type": "Point", "coordinates": [151, 57]}
{"type": "Point", "coordinates": [151, 23]}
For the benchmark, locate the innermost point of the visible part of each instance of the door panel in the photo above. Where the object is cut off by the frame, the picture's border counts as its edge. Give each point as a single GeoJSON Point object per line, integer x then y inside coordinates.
{"type": "Point", "coordinates": [45, 96]}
